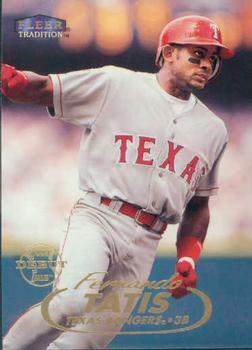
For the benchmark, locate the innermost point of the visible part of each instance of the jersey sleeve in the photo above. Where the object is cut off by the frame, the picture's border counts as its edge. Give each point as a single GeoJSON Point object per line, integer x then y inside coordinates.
{"type": "Point", "coordinates": [208, 185]}
{"type": "Point", "coordinates": [78, 96]}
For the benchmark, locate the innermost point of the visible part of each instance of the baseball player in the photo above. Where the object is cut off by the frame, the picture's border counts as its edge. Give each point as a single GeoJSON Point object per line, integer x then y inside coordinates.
{"type": "Point", "coordinates": [149, 156]}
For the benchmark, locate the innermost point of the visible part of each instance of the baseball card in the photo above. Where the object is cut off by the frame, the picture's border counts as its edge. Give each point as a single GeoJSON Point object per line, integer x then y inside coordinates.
{"type": "Point", "coordinates": [126, 174]}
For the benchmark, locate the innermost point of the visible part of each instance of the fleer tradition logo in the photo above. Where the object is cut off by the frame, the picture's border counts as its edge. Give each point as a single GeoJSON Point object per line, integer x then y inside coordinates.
{"type": "Point", "coordinates": [41, 26]}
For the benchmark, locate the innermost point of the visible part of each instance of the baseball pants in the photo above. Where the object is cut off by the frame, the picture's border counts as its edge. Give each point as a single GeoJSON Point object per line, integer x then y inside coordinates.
{"type": "Point", "coordinates": [101, 243]}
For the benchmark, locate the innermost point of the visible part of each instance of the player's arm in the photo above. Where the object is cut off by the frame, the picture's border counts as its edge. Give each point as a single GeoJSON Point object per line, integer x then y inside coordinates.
{"type": "Point", "coordinates": [26, 87]}
{"type": "Point", "coordinates": [191, 235]}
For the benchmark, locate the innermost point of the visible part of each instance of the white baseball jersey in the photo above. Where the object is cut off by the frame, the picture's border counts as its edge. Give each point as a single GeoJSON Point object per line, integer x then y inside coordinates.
{"type": "Point", "coordinates": [140, 144]}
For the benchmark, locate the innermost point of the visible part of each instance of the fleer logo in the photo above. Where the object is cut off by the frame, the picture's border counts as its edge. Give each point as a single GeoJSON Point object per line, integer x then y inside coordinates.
{"type": "Point", "coordinates": [41, 26]}
{"type": "Point", "coordinates": [152, 307]}
{"type": "Point", "coordinates": [38, 264]}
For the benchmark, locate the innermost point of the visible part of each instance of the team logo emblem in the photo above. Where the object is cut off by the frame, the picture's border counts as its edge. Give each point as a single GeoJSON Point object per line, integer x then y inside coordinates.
{"type": "Point", "coordinates": [215, 30]}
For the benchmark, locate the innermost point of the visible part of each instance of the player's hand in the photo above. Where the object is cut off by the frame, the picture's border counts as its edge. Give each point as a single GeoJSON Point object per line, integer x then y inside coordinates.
{"type": "Point", "coordinates": [14, 82]}
{"type": "Point", "coordinates": [186, 277]}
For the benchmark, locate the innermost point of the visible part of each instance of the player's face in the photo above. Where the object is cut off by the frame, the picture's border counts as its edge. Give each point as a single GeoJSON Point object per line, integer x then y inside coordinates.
{"type": "Point", "coordinates": [193, 65]}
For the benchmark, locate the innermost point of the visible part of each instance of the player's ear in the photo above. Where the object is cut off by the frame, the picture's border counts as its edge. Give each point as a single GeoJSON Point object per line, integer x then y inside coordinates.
{"type": "Point", "coordinates": [167, 52]}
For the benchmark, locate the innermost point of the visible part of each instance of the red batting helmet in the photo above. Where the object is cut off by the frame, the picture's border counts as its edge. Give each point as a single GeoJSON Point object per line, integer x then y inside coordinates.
{"type": "Point", "coordinates": [194, 30]}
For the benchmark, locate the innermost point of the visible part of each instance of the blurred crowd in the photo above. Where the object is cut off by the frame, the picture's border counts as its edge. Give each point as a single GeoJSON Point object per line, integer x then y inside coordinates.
{"type": "Point", "coordinates": [40, 180]}
{"type": "Point", "coordinates": [113, 25]}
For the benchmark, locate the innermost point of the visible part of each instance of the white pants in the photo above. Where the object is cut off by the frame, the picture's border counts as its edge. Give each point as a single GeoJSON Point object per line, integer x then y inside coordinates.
{"type": "Point", "coordinates": [98, 239]}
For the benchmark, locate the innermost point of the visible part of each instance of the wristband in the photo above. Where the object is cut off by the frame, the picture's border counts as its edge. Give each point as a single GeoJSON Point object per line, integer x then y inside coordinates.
{"type": "Point", "coordinates": [189, 246]}
{"type": "Point", "coordinates": [189, 260]}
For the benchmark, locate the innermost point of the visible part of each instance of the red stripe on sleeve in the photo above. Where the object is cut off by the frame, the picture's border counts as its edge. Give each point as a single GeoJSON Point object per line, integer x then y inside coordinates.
{"type": "Point", "coordinates": [61, 105]}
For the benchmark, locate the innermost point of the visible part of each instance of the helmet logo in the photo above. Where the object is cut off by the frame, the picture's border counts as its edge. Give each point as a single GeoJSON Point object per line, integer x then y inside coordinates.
{"type": "Point", "coordinates": [215, 30]}
{"type": "Point", "coordinates": [194, 32]}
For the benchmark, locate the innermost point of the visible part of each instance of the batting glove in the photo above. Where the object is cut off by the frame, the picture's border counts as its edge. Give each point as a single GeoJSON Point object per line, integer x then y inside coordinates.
{"type": "Point", "coordinates": [14, 82]}
{"type": "Point", "coordinates": [185, 277]}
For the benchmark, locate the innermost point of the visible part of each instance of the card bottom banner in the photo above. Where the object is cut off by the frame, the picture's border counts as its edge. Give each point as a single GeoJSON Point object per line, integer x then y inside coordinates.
{"type": "Point", "coordinates": [218, 314]}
